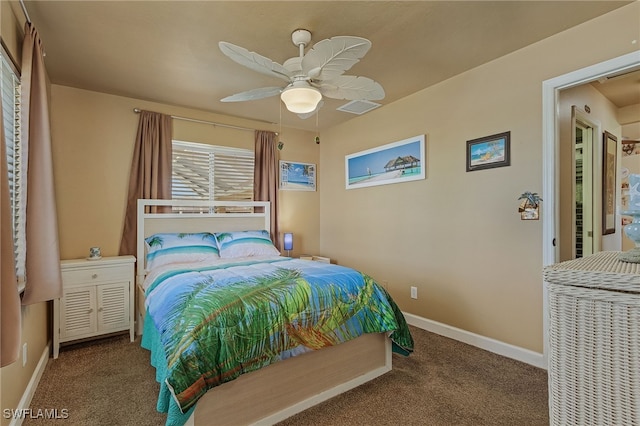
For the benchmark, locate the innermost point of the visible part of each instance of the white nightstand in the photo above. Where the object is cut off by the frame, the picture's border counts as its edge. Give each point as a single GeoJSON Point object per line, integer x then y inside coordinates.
{"type": "Point", "coordinates": [98, 298]}
{"type": "Point", "coordinates": [315, 258]}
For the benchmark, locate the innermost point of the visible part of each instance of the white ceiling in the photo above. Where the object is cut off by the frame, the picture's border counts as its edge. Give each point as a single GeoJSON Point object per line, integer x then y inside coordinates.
{"type": "Point", "coordinates": [621, 89]}
{"type": "Point", "coordinates": [167, 51]}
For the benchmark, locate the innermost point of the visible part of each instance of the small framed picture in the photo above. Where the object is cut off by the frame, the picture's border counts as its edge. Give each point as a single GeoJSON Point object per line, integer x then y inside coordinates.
{"type": "Point", "coordinates": [297, 176]}
{"type": "Point", "coordinates": [528, 212]}
{"type": "Point", "coordinates": [489, 152]}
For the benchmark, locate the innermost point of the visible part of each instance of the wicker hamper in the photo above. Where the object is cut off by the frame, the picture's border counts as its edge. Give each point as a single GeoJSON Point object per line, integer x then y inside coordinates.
{"type": "Point", "coordinates": [594, 341]}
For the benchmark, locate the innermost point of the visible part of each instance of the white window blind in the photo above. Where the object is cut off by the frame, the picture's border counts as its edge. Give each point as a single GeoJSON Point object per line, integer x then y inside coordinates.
{"type": "Point", "coordinates": [10, 88]}
{"type": "Point", "coordinates": [210, 172]}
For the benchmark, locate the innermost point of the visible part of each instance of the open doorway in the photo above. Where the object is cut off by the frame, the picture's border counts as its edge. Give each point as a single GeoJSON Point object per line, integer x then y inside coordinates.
{"type": "Point", "coordinates": [551, 171]}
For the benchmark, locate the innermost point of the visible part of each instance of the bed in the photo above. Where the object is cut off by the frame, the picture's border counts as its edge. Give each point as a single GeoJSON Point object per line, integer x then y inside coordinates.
{"type": "Point", "coordinates": [195, 266]}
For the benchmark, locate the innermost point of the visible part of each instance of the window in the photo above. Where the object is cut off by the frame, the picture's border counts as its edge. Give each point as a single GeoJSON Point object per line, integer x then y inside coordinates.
{"type": "Point", "coordinates": [209, 172]}
{"type": "Point", "coordinates": [10, 88]}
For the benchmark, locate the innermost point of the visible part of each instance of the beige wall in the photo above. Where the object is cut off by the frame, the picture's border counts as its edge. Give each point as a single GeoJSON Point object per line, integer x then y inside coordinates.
{"type": "Point", "coordinates": [300, 210]}
{"type": "Point", "coordinates": [457, 236]}
{"type": "Point", "coordinates": [15, 377]}
{"type": "Point", "coordinates": [93, 139]}
{"type": "Point", "coordinates": [629, 116]}
{"type": "Point", "coordinates": [12, 28]}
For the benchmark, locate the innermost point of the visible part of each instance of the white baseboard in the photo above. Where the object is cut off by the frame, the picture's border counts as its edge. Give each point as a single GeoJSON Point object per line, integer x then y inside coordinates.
{"type": "Point", "coordinates": [27, 396]}
{"type": "Point", "coordinates": [510, 351]}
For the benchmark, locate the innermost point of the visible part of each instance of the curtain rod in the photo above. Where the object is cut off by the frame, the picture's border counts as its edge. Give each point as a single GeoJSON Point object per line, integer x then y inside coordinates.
{"type": "Point", "coordinates": [213, 123]}
{"type": "Point", "coordinates": [24, 10]}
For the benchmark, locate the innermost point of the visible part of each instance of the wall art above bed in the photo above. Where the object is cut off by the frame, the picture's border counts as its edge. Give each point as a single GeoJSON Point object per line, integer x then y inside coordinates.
{"type": "Point", "coordinates": [296, 176]}
{"type": "Point", "coordinates": [400, 161]}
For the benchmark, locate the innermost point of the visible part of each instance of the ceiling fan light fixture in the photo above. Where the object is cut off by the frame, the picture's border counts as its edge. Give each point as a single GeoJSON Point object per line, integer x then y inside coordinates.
{"type": "Point", "coordinates": [323, 65]}
{"type": "Point", "coordinates": [301, 98]}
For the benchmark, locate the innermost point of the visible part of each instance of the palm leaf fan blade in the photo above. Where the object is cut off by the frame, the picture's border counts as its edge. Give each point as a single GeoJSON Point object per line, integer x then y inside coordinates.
{"type": "Point", "coordinates": [254, 94]}
{"type": "Point", "coordinates": [330, 58]}
{"type": "Point", "coordinates": [353, 88]}
{"type": "Point", "coordinates": [254, 61]}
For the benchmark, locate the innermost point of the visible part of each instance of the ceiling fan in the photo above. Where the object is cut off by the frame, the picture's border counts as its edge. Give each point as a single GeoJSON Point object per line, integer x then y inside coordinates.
{"type": "Point", "coordinates": [309, 76]}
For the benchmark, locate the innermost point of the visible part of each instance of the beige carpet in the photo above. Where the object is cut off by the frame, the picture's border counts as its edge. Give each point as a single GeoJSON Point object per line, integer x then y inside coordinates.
{"type": "Point", "coordinates": [445, 382]}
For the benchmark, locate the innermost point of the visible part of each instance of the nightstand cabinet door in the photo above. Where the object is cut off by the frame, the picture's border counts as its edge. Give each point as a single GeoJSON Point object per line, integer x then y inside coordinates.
{"type": "Point", "coordinates": [77, 312]}
{"type": "Point", "coordinates": [113, 306]}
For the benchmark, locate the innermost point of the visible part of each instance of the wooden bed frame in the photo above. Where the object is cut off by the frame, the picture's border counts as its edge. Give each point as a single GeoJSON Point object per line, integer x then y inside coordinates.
{"type": "Point", "coordinates": [285, 388]}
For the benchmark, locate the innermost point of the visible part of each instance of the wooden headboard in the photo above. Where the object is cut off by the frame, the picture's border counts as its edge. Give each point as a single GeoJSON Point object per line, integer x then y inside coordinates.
{"type": "Point", "coordinates": [219, 216]}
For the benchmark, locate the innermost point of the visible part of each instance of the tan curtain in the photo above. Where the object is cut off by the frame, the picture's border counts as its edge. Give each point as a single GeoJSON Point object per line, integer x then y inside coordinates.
{"type": "Point", "coordinates": [265, 177]}
{"type": "Point", "coordinates": [9, 298]}
{"type": "Point", "coordinates": [150, 176]}
{"type": "Point", "coordinates": [44, 280]}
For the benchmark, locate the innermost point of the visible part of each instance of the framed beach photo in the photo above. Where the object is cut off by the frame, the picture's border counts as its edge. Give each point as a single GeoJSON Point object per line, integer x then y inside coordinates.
{"type": "Point", "coordinates": [489, 152]}
{"type": "Point", "coordinates": [396, 162]}
{"type": "Point", "coordinates": [296, 176]}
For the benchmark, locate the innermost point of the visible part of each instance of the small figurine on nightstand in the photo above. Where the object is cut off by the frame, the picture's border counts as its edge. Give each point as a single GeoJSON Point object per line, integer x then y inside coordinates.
{"type": "Point", "coordinates": [94, 253]}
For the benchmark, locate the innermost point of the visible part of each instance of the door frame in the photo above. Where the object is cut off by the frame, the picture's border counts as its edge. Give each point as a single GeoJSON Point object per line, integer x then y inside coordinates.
{"type": "Point", "coordinates": [550, 150]}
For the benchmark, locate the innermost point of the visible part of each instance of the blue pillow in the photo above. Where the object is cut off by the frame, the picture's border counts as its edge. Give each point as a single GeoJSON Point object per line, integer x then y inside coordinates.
{"type": "Point", "coordinates": [245, 243]}
{"type": "Point", "coordinates": [167, 248]}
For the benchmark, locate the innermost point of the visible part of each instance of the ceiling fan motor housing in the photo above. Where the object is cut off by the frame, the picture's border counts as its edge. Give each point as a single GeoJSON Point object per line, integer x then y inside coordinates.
{"type": "Point", "coordinates": [301, 37]}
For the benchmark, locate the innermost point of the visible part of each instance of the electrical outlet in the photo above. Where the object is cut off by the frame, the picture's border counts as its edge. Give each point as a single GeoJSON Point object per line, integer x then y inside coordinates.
{"type": "Point", "coordinates": [24, 354]}
{"type": "Point", "coordinates": [414, 292]}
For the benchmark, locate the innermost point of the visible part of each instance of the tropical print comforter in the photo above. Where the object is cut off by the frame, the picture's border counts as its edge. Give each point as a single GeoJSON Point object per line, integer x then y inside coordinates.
{"type": "Point", "coordinates": [207, 325]}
